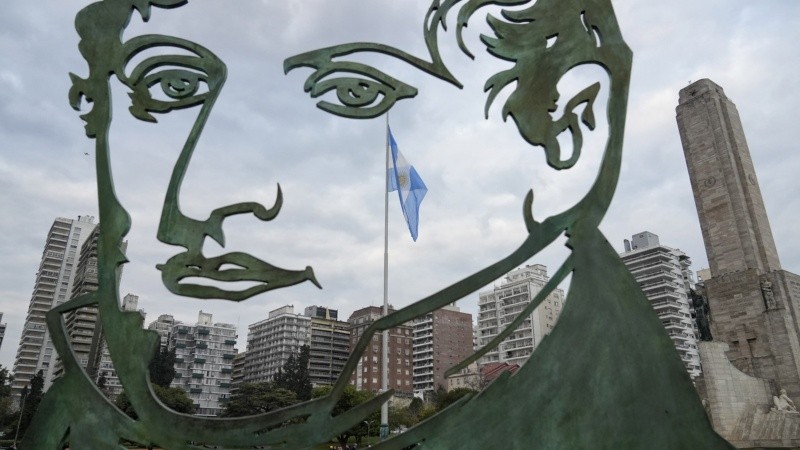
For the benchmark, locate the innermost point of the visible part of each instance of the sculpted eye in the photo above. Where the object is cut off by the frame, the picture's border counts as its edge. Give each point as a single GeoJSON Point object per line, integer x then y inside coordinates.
{"type": "Point", "coordinates": [359, 98]}
{"type": "Point", "coordinates": [168, 81]}
{"type": "Point", "coordinates": [169, 88]}
{"type": "Point", "coordinates": [178, 84]}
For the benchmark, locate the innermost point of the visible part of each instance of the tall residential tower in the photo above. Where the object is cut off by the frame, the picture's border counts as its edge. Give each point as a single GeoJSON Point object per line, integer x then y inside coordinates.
{"type": "Point", "coordinates": [52, 287]}
{"type": "Point", "coordinates": [369, 372]}
{"type": "Point", "coordinates": [271, 341]}
{"type": "Point", "coordinates": [329, 345]}
{"type": "Point", "coordinates": [665, 278]}
{"type": "Point", "coordinates": [442, 339]}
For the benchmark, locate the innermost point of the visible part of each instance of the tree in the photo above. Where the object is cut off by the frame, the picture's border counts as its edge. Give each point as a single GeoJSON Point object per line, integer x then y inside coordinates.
{"type": "Point", "coordinates": [351, 398]}
{"type": "Point", "coordinates": [401, 418]}
{"type": "Point", "coordinates": [294, 374]}
{"type": "Point", "coordinates": [173, 398]}
{"type": "Point", "coordinates": [32, 400]}
{"type": "Point", "coordinates": [416, 405]}
{"type": "Point", "coordinates": [426, 412]}
{"type": "Point", "coordinates": [162, 367]}
{"type": "Point", "coordinates": [258, 398]}
{"type": "Point", "coordinates": [443, 398]}
{"type": "Point", "coordinates": [6, 406]}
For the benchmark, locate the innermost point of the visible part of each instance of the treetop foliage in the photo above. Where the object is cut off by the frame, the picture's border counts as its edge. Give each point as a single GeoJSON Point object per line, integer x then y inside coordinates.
{"type": "Point", "coordinates": [294, 375]}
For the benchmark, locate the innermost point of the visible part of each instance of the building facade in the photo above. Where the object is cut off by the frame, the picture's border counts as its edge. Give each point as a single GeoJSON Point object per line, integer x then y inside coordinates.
{"type": "Point", "coordinates": [665, 278]}
{"type": "Point", "coordinates": [271, 341]}
{"type": "Point", "coordinates": [329, 345]}
{"type": "Point", "coordinates": [163, 326]}
{"type": "Point", "coordinates": [505, 302]}
{"type": "Point", "coordinates": [82, 326]}
{"type": "Point", "coordinates": [442, 339]}
{"type": "Point", "coordinates": [369, 372]}
{"type": "Point", "coordinates": [754, 304]}
{"type": "Point", "coordinates": [237, 376]}
{"type": "Point", "coordinates": [204, 354]}
{"type": "Point", "coordinates": [105, 366]}
{"type": "Point", "coordinates": [52, 287]}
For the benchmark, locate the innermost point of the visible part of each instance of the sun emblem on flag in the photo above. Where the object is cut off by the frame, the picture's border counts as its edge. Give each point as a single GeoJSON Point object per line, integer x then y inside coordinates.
{"type": "Point", "coordinates": [402, 179]}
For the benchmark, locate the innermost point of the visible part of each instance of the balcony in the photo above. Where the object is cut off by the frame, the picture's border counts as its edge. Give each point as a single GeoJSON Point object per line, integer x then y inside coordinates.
{"type": "Point", "coordinates": [426, 343]}
{"type": "Point", "coordinates": [228, 356]}
{"type": "Point", "coordinates": [195, 390]}
{"type": "Point", "coordinates": [679, 336]}
{"type": "Point", "coordinates": [201, 345]}
{"type": "Point", "coordinates": [197, 375]}
{"type": "Point", "coordinates": [226, 370]}
{"type": "Point", "coordinates": [230, 341]}
{"type": "Point", "coordinates": [203, 331]}
{"type": "Point", "coordinates": [199, 360]}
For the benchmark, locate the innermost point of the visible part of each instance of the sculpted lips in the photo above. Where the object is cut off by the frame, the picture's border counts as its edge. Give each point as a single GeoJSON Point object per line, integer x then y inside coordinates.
{"type": "Point", "coordinates": [246, 268]}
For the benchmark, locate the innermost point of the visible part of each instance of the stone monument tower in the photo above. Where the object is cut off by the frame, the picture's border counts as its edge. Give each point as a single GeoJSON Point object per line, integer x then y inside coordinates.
{"type": "Point", "coordinates": [754, 304]}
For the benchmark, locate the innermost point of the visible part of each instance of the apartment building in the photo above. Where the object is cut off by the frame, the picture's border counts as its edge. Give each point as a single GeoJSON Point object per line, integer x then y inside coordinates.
{"type": "Point", "coordinates": [441, 339]}
{"type": "Point", "coordinates": [369, 372]}
{"type": "Point", "coordinates": [271, 341]}
{"type": "Point", "coordinates": [329, 345]}
{"type": "Point", "coordinates": [500, 306]}
{"type": "Point", "coordinates": [52, 287]}
{"type": "Point", "coordinates": [204, 354]}
{"type": "Point", "coordinates": [665, 278]}
{"type": "Point", "coordinates": [105, 366]}
{"type": "Point", "coordinates": [163, 326]}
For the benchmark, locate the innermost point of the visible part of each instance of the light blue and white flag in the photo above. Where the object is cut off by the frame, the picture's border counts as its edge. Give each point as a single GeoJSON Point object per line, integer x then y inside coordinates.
{"type": "Point", "coordinates": [404, 179]}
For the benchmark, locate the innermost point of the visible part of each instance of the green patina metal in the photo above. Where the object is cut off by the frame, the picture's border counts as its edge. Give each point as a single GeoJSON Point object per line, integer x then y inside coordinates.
{"type": "Point", "coordinates": [606, 377]}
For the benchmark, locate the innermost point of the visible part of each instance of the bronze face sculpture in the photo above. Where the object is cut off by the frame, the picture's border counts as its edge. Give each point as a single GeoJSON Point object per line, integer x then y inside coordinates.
{"type": "Point", "coordinates": [606, 377]}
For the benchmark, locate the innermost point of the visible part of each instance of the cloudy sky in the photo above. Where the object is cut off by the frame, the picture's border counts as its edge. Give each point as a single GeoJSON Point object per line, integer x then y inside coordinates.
{"type": "Point", "coordinates": [265, 130]}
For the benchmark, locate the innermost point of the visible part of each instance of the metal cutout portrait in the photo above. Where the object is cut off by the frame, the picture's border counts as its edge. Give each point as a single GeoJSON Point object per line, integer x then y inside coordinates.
{"type": "Point", "coordinates": [606, 377]}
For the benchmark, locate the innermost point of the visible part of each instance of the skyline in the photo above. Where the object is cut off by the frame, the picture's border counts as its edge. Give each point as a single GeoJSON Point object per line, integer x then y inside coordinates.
{"type": "Point", "coordinates": [330, 169]}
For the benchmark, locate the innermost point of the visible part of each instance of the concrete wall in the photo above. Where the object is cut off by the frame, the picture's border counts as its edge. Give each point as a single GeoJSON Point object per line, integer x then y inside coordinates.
{"type": "Point", "coordinates": [730, 391]}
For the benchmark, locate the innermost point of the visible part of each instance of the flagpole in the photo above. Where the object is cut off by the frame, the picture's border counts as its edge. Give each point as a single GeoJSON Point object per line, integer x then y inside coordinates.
{"type": "Point", "coordinates": [384, 430]}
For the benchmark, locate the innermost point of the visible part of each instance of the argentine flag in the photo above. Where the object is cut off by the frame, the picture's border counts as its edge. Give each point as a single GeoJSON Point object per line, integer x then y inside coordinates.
{"type": "Point", "coordinates": [404, 179]}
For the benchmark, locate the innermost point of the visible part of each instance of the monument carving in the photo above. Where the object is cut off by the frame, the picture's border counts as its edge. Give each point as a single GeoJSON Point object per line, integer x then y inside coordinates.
{"type": "Point", "coordinates": [783, 403]}
{"type": "Point", "coordinates": [606, 377]}
{"type": "Point", "coordinates": [769, 296]}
